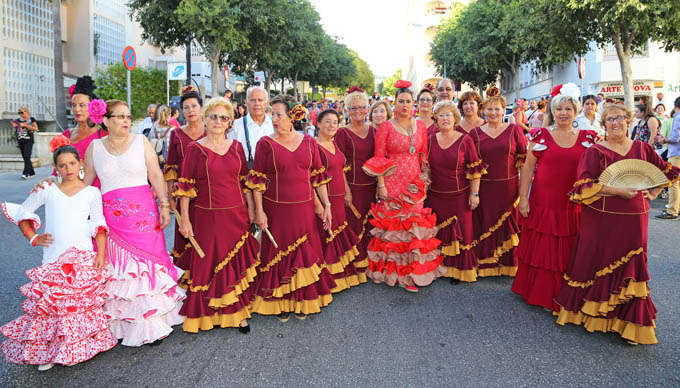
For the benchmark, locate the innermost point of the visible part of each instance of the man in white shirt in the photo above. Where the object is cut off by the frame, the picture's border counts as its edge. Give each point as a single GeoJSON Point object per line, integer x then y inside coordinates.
{"type": "Point", "coordinates": [257, 123]}
{"type": "Point", "coordinates": [148, 120]}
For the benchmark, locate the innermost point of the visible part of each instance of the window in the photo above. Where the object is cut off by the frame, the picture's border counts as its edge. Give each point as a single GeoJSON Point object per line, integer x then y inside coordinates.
{"type": "Point", "coordinates": [610, 49]}
{"type": "Point", "coordinates": [109, 39]}
{"type": "Point", "coordinates": [27, 75]}
{"type": "Point", "coordinates": [113, 8]}
{"type": "Point", "coordinates": [28, 21]}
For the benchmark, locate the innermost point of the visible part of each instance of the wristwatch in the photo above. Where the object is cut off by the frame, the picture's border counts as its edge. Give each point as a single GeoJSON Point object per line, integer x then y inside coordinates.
{"type": "Point", "coordinates": [327, 204]}
{"type": "Point", "coordinates": [474, 194]}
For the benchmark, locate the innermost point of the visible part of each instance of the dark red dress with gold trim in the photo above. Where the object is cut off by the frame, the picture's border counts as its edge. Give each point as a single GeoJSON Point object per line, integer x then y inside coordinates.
{"type": "Point", "coordinates": [357, 151]}
{"type": "Point", "coordinates": [605, 286]}
{"type": "Point", "coordinates": [496, 218]}
{"type": "Point", "coordinates": [220, 285]}
{"type": "Point", "coordinates": [340, 243]}
{"type": "Point", "coordinates": [452, 168]}
{"type": "Point", "coordinates": [177, 146]}
{"type": "Point", "coordinates": [549, 232]}
{"type": "Point", "coordinates": [292, 277]}
{"type": "Point", "coordinates": [403, 249]}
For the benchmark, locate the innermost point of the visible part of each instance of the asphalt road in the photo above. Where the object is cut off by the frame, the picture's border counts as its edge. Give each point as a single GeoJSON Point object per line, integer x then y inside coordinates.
{"type": "Point", "coordinates": [473, 335]}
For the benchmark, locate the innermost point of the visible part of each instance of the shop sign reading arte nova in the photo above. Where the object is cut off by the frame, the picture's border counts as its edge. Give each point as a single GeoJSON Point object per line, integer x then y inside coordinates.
{"type": "Point", "coordinates": [615, 89]}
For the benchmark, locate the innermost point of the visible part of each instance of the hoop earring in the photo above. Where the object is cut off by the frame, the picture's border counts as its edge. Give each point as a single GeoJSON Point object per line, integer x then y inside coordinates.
{"type": "Point", "coordinates": [81, 173]}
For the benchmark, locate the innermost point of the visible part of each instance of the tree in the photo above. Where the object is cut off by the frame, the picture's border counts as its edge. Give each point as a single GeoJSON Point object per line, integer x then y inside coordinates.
{"type": "Point", "coordinates": [337, 66]}
{"type": "Point", "coordinates": [388, 84]}
{"type": "Point", "coordinates": [60, 97]}
{"type": "Point", "coordinates": [627, 24]}
{"type": "Point", "coordinates": [363, 77]}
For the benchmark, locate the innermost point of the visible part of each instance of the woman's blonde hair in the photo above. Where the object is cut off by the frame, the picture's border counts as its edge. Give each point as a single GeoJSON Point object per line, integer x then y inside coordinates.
{"type": "Point", "coordinates": [610, 107]}
{"type": "Point", "coordinates": [163, 116]}
{"type": "Point", "coordinates": [214, 103]}
{"type": "Point", "coordinates": [376, 104]}
{"type": "Point", "coordinates": [24, 108]}
{"type": "Point", "coordinates": [443, 105]}
{"type": "Point", "coordinates": [356, 96]}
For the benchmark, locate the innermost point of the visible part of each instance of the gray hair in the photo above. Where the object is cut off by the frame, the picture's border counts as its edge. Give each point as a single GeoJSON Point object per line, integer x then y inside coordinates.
{"type": "Point", "coordinates": [561, 99]}
{"type": "Point", "coordinates": [253, 88]}
{"type": "Point", "coordinates": [150, 106]}
{"type": "Point", "coordinates": [443, 80]}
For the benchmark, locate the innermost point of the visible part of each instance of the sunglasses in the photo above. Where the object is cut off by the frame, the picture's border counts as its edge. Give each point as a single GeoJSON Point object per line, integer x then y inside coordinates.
{"type": "Point", "coordinates": [222, 118]}
{"type": "Point", "coordinates": [21, 112]}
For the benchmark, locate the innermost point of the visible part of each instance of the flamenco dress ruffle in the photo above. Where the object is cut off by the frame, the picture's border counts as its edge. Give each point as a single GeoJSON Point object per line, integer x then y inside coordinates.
{"type": "Point", "coordinates": [170, 173]}
{"type": "Point", "coordinates": [291, 278]}
{"type": "Point", "coordinates": [64, 322]}
{"type": "Point", "coordinates": [403, 249]}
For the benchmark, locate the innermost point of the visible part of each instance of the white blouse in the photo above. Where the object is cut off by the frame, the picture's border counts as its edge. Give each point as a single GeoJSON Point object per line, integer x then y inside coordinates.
{"type": "Point", "coordinates": [72, 221]}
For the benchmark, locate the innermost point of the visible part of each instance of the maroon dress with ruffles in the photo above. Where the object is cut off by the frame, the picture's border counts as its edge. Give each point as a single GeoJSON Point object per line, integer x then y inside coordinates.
{"type": "Point", "coordinates": [452, 168]}
{"type": "Point", "coordinates": [340, 243]}
{"type": "Point", "coordinates": [605, 286]}
{"type": "Point", "coordinates": [495, 220]}
{"type": "Point", "coordinates": [357, 151]}
{"type": "Point", "coordinates": [549, 232]}
{"type": "Point", "coordinates": [220, 285]}
{"type": "Point", "coordinates": [403, 249]}
{"type": "Point", "coordinates": [432, 129]}
{"type": "Point", "coordinates": [177, 148]}
{"type": "Point", "coordinates": [292, 277]}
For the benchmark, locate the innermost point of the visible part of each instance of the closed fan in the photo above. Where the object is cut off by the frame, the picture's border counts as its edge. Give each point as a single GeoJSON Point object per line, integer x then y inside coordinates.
{"type": "Point", "coordinates": [634, 173]}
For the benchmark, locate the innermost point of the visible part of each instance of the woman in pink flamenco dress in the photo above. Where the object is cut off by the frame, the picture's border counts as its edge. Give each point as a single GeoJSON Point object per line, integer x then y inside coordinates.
{"type": "Point", "coordinates": [404, 249]}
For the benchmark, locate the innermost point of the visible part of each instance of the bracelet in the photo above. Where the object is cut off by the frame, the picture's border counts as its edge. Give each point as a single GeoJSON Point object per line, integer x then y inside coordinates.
{"type": "Point", "coordinates": [164, 206]}
{"type": "Point", "coordinates": [28, 230]}
{"type": "Point", "coordinates": [381, 186]}
{"type": "Point", "coordinates": [327, 204]}
{"type": "Point", "coordinates": [474, 194]}
{"type": "Point", "coordinates": [32, 240]}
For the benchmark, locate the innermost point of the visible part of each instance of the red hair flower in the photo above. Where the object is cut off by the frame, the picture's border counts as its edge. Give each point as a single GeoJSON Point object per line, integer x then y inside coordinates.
{"type": "Point", "coordinates": [402, 84]}
{"type": "Point", "coordinates": [355, 89]}
{"type": "Point", "coordinates": [71, 89]}
{"type": "Point", "coordinates": [556, 90]}
{"type": "Point", "coordinates": [429, 86]}
{"type": "Point", "coordinates": [297, 113]}
{"type": "Point", "coordinates": [59, 141]}
{"type": "Point", "coordinates": [493, 92]}
{"type": "Point", "coordinates": [189, 89]}
{"type": "Point", "coordinates": [97, 110]}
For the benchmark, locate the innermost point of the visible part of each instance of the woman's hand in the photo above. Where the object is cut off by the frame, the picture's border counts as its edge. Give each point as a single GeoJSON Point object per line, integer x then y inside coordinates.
{"type": "Point", "coordinates": [251, 215]}
{"type": "Point", "coordinates": [185, 228]}
{"type": "Point", "coordinates": [381, 193]}
{"type": "Point", "coordinates": [659, 139]}
{"type": "Point", "coordinates": [173, 205]}
{"type": "Point", "coordinates": [651, 194]}
{"type": "Point", "coordinates": [261, 220]}
{"type": "Point", "coordinates": [43, 240]}
{"type": "Point", "coordinates": [473, 201]}
{"type": "Point", "coordinates": [326, 217]}
{"type": "Point", "coordinates": [43, 183]}
{"type": "Point", "coordinates": [524, 207]}
{"type": "Point", "coordinates": [165, 216]}
{"type": "Point", "coordinates": [100, 261]}
{"type": "Point", "coordinates": [626, 192]}
{"type": "Point", "coordinates": [348, 198]}
{"type": "Point", "coordinates": [318, 209]}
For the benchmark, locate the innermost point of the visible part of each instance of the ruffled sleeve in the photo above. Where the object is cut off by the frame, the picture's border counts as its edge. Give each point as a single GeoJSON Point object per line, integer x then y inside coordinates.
{"type": "Point", "coordinates": [318, 174]}
{"type": "Point", "coordinates": [186, 183]}
{"type": "Point", "coordinates": [26, 211]}
{"type": "Point", "coordinates": [379, 164]}
{"type": "Point", "coordinates": [520, 146]}
{"type": "Point", "coordinates": [539, 140]}
{"type": "Point", "coordinates": [97, 222]}
{"type": "Point", "coordinates": [171, 168]}
{"type": "Point", "coordinates": [474, 166]}
{"type": "Point", "coordinates": [243, 173]}
{"type": "Point", "coordinates": [671, 172]}
{"type": "Point", "coordinates": [257, 177]}
{"type": "Point", "coordinates": [586, 187]}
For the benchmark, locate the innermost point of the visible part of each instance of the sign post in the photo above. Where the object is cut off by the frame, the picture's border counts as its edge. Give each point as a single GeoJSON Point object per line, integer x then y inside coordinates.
{"type": "Point", "coordinates": [176, 71]}
{"type": "Point", "coordinates": [130, 61]}
{"type": "Point", "coordinates": [581, 71]}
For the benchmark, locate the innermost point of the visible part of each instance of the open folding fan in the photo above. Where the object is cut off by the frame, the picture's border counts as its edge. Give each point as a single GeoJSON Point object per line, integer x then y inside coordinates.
{"type": "Point", "coordinates": [634, 173]}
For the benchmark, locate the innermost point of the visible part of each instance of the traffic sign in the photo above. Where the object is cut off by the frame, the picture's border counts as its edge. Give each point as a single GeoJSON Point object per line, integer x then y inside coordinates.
{"type": "Point", "coordinates": [129, 58]}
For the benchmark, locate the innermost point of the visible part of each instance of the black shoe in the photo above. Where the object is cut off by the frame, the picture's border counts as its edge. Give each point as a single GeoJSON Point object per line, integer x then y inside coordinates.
{"type": "Point", "coordinates": [666, 216]}
{"type": "Point", "coordinates": [301, 317]}
{"type": "Point", "coordinates": [283, 317]}
{"type": "Point", "coordinates": [244, 329]}
{"type": "Point", "coordinates": [157, 342]}
{"type": "Point", "coordinates": [455, 281]}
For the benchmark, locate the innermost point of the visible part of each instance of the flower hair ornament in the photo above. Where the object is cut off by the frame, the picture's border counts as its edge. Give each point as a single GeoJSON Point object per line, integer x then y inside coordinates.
{"type": "Point", "coordinates": [402, 84]}
{"type": "Point", "coordinates": [355, 89]}
{"type": "Point", "coordinates": [569, 89]}
{"type": "Point", "coordinates": [84, 85]}
{"type": "Point", "coordinates": [59, 141]}
{"type": "Point", "coordinates": [97, 109]}
{"type": "Point", "coordinates": [521, 103]}
{"type": "Point", "coordinates": [493, 92]}
{"type": "Point", "coordinates": [429, 86]}
{"type": "Point", "coordinates": [71, 89]}
{"type": "Point", "coordinates": [189, 89]}
{"type": "Point", "coordinates": [296, 111]}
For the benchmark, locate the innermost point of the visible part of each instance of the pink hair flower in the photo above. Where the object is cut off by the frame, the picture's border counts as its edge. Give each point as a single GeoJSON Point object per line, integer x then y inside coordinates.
{"type": "Point", "coordinates": [97, 110]}
{"type": "Point", "coordinates": [71, 89]}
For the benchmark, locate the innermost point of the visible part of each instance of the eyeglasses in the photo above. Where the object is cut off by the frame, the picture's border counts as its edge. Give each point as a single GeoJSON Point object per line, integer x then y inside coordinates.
{"type": "Point", "coordinates": [445, 115]}
{"type": "Point", "coordinates": [122, 117]}
{"type": "Point", "coordinates": [220, 118]}
{"type": "Point", "coordinates": [357, 108]}
{"type": "Point", "coordinates": [21, 112]}
{"type": "Point", "coordinates": [612, 120]}
{"type": "Point", "coordinates": [443, 89]}
{"type": "Point", "coordinates": [425, 100]}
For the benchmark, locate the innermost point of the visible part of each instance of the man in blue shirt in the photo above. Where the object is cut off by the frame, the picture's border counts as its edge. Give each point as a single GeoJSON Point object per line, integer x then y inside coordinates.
{"type": "Point", "coordinates": [673, 141]}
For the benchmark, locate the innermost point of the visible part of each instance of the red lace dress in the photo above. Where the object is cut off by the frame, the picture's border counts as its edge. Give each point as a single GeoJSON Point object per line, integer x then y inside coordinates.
{"type": "Point", "coordinates": [177, 147]}
{"type": "Point", "coordinates": [452, 169]}
{"type": "Point", "coordinates": [292, 277]}
{"type": "Point", "coordinates": [605, 286]}
{"type": "Point", "coordinates": [357, 151]}
{"type": "Point", "coordinates": [495, 220]}
{"type": "Point", "coordinates": [340, 243]}
{"type": "Point", "coordinates": [549, 233]}
{"type": "Point", "coordinates": [403, 249]}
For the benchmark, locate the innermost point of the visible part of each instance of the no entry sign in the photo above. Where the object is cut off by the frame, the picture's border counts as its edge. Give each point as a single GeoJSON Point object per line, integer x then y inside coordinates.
{"type": "Point", "coordinates": [129, 58]}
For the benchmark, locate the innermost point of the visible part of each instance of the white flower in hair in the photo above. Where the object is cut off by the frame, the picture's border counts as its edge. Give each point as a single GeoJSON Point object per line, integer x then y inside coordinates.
{"type": "Point", "coordinates": [571, 89]}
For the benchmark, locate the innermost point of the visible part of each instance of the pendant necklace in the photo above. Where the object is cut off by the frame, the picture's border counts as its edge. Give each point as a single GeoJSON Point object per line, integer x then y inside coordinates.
{"type": "Point", "coordinates": [409, 132]}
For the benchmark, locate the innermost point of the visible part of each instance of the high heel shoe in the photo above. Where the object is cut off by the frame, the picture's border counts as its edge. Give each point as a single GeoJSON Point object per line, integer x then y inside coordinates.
{"type": "Point", "coordinates": [244, 329]}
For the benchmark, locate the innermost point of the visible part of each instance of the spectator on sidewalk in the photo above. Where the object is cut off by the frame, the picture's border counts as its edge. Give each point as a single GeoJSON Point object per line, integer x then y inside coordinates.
{"type": "Point", "coordinates": [148, 120]}
{"type": "Point", "coordinates": [25, 126]}
{"type": "Point", "coordinates": [673, 141]}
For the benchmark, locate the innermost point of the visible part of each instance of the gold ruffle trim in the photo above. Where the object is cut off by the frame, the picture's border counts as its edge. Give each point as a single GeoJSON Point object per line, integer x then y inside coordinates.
{"type": "Point", "coordinates": [452, 249]}
{"type": "Point", "coordinates": [193, 325]}
{"type": "Point", "coordinates": [604, 271]}
{"type": "Point", "coordinates": [333, 233]}
{"type": "Point", "coordinates": [497, 271]}
{"type": "Point", "coordinates": [466, 275]}
{"type": "Point", "coordinates": [587, 195]}
{"type": "Point", "coordinates": [347, 282]}
{"type": "Point", "coordinates": [318, 171]}
{"type": "Point", "coordinates": [232, 297]}
{"type": "Point", "coordinates": [184, 180]}
{"type": "Point", "coordinates": [668, 168]}
{"type": "Point", "coordinates": [257, 174]}
{"type": "Point", "coordinates": [630, 291]}
{"type": "Point", "coordinates": [222, 264]}
{"type": "Point", "coordinates": [303, 277]}
{"type": "Point", "coordinates": [343, 262]}
{"type": "Point", "coordinates": [630, 331]}
{"type": "Point", "coordinates": [171, 173]}
{"type": "Point", "coordinates": [323, 182]}
{"type": "Point", "coordinates": [498, 224]}
{"type": "Point", "coordinates": [347, 168]}
{"type": "Point", "coordinates": [507, 245]}
{"type": "Point", "coordinates": [191, 193]}
{"type": "Point", "coordinates": [474, 164]}
{"type": "Point", "coordinates": [279, 256]}
{"type": "Point", "coordinates": [476, 175]}
{"type": "Point", "coordinates": [278, 306]}
{"type": "Point", "coordinates": [447, 222]}
{"type": "Point", "coordinates": [582, 182]}
{"type": "Point", "coordinates": [256, 186]}
{"type": "Point", "coordinates": [361, 264]}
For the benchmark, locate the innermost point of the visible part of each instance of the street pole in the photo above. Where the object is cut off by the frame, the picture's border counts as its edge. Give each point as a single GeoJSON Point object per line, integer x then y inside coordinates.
{"type": "Point", "coordinates": [129, 99]}
{"type": "Point", "coordinates": [188, 59]}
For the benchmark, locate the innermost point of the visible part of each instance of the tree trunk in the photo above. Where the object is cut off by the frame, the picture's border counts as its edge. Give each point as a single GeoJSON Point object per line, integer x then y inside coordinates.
{"type": "Point", "coordinates": [324, 92]}
{"type": "Point", "coordinates": [515, 70]}
{"type": "Point", "coordinates": [60, 96]}
{"type": "Point", "coordinates": [214, 71]}
{"type": "Point", "coordinates": [624, 54]}
{"type": "Point", "coordinates": [295, 88]}
{"type": "Point", "coordinates": [267, 80]}
{"type": "Point", "coordinates": [283, 86]}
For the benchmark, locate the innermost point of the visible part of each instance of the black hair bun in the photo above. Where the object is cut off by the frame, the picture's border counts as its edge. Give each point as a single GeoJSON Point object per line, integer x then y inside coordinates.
{"type": "Point", "coordinates": [85, 85]}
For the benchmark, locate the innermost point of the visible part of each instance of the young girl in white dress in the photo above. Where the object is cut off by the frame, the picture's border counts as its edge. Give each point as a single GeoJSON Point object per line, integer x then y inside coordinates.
{"type": "Point", "coordinates": [64, 322]}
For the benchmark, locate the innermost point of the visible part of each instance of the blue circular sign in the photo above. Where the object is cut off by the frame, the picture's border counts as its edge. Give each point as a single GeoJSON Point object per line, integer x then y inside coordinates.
{"type": "Point", "coordinates": [129, 58]}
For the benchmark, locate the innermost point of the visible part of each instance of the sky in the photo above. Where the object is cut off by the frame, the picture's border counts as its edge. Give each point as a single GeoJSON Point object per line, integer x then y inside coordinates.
{"type": "Point", "coordinates": [368, 27]}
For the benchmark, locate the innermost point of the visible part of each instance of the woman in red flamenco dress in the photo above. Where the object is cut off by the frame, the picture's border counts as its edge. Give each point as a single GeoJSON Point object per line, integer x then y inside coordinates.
{"type": "Point", "coordinates": [605, 286]}
{"type": "Point", "coordinates": [339, 242]}
{"type": "Point", "coordinates": [550, 220]}
{"type": "Point", "coordinates": [403, 249]}
{"type": "Point", "coordinates": [502, 147]}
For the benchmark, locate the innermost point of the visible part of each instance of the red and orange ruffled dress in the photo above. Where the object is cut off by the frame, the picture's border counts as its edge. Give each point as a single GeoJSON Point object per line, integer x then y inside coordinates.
{"type": "Point", "coordinates": [404, 249]}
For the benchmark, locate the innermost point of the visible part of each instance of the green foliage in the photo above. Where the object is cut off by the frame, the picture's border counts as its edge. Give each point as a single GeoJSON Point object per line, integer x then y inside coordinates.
{"type": "Point", "coordinates": [363, 77]}
{"type": "Point", "coordinates": [148, 86]}
{"type": "Point", "coordinates": [160, 24]}
{"type": "Point", "coordinates": [388, 88]}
